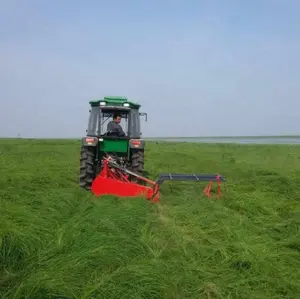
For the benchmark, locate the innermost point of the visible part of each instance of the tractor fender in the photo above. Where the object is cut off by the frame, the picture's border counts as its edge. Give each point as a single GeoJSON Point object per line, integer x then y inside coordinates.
{"type": "Point", "coordinates": [137, 143]}
{"type": "Point", "coordinates": [90, 141]}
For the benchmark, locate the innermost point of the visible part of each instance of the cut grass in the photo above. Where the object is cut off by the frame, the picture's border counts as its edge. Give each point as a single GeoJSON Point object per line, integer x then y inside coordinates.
{"type": "Point", "coordinates": [57, 241]}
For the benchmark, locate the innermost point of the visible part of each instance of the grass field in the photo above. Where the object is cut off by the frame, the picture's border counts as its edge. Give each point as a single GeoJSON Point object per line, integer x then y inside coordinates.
{"type": "Point", "coordinates": [57, 241]}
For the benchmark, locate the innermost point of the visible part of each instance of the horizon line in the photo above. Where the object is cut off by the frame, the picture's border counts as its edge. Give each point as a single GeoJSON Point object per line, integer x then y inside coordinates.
{"type": "Point", "coordinates": [171, 137]}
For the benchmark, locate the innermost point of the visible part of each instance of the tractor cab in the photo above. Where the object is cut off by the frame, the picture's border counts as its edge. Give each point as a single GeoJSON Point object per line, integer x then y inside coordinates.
{"type": "Point", "coordinates": [102, 112]}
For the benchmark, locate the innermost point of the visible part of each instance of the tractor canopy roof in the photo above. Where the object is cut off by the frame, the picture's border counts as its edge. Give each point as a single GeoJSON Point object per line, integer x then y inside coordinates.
{"type": "Point", "coordinates": [115, 101]}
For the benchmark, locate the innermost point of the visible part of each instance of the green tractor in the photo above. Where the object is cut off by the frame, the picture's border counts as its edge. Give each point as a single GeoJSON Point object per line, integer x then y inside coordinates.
{"type": "Point", "coordinates": [128, 150]}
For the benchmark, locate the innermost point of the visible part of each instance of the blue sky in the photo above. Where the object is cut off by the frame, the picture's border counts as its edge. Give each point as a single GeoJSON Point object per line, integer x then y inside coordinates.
{"type": "Point", "coordinates": [199, 68]}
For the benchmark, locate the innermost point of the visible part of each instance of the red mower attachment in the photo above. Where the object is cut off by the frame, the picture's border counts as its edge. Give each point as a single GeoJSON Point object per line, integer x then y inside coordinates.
{"type": "Point", "coordinates": [115, 180]}
{"type": "Point", "coordinates": [118, 181]}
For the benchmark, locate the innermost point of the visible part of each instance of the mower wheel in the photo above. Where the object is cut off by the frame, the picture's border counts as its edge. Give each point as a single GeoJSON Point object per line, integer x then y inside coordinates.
{"type": "Point", "coordinates": [87, 167]}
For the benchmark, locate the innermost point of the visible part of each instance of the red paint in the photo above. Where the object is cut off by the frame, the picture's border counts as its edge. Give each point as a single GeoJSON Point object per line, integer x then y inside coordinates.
{"type": "Point", "coordinates": [112, 181]}
{"type": "Point", "coordinates": [207, 189]}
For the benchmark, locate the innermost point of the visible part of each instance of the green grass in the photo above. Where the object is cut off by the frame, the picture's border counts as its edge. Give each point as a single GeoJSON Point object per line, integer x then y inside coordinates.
{"type": "Point", "coordinates": [57, 241]}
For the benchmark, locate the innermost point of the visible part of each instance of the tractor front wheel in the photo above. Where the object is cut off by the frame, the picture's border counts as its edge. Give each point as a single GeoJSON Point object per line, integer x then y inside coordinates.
{"type": "Point", "coordinates": [87, 167]}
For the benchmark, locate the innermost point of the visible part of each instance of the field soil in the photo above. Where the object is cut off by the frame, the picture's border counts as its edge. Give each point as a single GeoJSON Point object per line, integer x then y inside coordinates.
{"type": "Point", "coordinates": [59, 241]}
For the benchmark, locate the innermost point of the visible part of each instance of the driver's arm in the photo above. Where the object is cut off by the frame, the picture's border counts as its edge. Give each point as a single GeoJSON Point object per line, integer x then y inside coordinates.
{"type": "Point", "coordinates": [120, 131]}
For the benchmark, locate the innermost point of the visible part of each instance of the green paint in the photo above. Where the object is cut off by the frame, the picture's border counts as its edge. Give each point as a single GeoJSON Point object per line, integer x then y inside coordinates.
{"type": "Point", "coordinates": [114, 145]}
{"type": "Point", "coordinates": [115, 101]}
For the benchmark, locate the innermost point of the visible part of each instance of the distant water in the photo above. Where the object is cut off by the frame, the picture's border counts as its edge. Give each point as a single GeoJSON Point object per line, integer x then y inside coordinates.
{"type": "Point", "coordinates": [241, 140]}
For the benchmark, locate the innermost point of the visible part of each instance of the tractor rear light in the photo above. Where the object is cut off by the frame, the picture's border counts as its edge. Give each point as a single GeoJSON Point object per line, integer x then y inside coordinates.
{"type": "Point", "coordinates": [135, 143]}
{"type": "Point", "coordinates": [90, 140]}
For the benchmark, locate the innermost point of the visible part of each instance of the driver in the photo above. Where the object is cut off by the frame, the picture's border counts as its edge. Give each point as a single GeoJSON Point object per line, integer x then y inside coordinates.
{"type": "Point", "coordinates": [114, 125]}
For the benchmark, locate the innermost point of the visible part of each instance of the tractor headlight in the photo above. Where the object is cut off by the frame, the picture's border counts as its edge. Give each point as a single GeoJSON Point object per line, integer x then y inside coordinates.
{"type": "Point", "coordinates": [102, 103]}
{"type": "Point", "coordinates": [126, 104]}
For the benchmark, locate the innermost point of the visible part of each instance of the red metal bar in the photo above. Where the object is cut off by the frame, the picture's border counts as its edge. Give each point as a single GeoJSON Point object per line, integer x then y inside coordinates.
{"type": "Point", "coordinates": [207, 189]}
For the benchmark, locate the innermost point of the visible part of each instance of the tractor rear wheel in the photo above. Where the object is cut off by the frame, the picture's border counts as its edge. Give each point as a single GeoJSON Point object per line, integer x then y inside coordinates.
{"type": "Point", "coordinates": [88, 169]}
{"type": "Point", "coordinates": [137, 161]}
